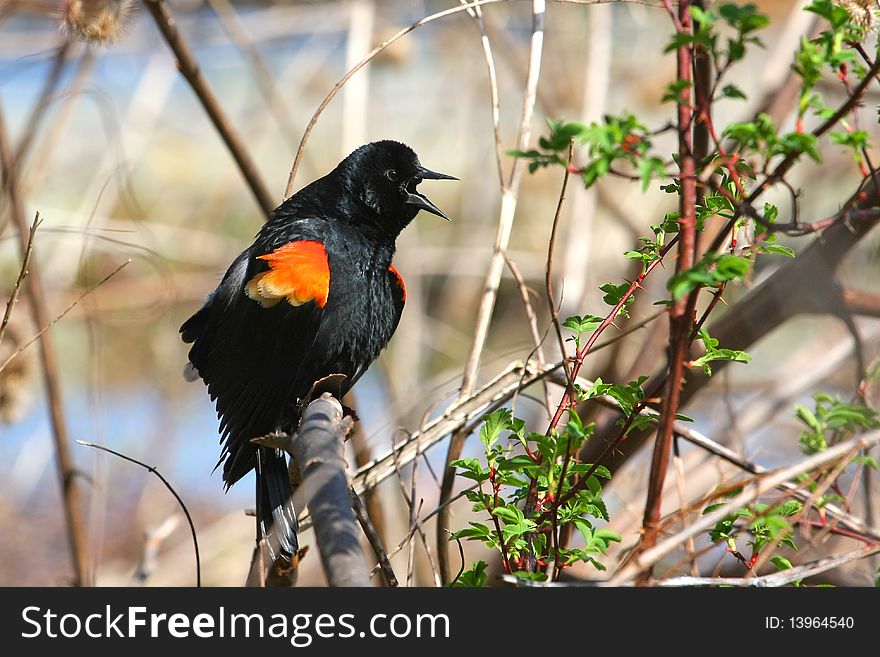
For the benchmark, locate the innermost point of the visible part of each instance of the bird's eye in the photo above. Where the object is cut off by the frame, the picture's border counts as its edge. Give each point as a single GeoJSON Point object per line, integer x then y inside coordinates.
{"type": "Point", "coordinates": [392, 175]}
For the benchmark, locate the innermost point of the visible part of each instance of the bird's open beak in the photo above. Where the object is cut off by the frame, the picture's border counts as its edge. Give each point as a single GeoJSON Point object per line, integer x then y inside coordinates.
{"type": "Point", "coordinates": [419, 200]}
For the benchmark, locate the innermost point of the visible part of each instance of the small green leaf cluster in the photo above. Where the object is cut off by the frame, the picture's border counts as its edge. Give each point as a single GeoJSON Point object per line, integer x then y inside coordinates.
{"type": "Point", "coordinates": [761, 138]}
{"type": "Point", "coordinates": [546, 465]}
{"type": "Point", "coordinates": [763, 524]}
{"type": "Point", "coordinates": [714, 353]}
{"type": "Point", "coordinates": [856, 141]}
{"type": "Point", "coordinates": [582, 325]}
{"type": "Point", "coordinates": [827, 52]}
{"type": "Point", "coordinates": [713, 270]}
{"type": "Point", "coordinates": [744, 19]}
{"type": "Point", "coordinates": [617, 138]}
{"type": "Point", "coordinates": [832, 417]}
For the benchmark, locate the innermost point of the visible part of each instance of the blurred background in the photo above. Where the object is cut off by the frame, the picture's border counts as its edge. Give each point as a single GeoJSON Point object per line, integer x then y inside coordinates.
{"type": "Point", "coordinates": [123, 164]}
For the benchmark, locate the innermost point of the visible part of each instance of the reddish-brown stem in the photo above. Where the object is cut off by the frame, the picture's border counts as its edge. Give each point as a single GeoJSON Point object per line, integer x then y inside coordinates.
{"type": "Point", "coordinates": [839, 531]}
{"type": "Point", "coordinates": [637, 410]}
{"type": "Point", "coordinates": [568, 399]}
{"type": "Point", "coordinates": [505, 558]}
{"type": "Point", "coordinates": [680, 320]}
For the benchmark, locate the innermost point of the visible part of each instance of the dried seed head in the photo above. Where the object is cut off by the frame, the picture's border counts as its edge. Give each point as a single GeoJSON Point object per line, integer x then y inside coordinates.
{"type": "Point", "coordinates": [861, 12]}
{"type": "Point", "coordinates": [101, 22]}
{"type": "Point", "coordinates": [18, 379]}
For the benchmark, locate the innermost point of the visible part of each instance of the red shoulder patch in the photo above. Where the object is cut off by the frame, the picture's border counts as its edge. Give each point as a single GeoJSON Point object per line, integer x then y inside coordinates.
{"type": "Point", "coordinates": [395, 275]}
{"type": "Point", "coordinates": [298, 272]}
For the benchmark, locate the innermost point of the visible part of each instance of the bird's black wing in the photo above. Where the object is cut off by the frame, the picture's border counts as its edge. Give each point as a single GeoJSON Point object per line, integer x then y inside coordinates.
{"type": "Point", "coordinates": [250, 341]}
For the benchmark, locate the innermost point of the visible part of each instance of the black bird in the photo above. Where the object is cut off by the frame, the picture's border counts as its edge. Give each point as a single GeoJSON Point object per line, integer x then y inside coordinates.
{"type": "Point", "coordinates": [314, 295]}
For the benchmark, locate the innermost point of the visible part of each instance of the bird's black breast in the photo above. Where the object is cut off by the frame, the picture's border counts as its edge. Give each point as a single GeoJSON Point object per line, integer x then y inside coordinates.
{"type": "Point", "coordinates": [362, 309]}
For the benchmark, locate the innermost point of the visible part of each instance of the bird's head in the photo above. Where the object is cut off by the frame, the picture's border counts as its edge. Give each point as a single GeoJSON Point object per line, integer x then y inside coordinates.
{"type": "Point", "coordinates": [384, 176]}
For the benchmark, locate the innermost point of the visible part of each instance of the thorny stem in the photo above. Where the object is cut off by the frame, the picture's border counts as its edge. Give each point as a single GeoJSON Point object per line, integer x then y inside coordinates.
{"type": "Point", "coordinates": [680, 320]}
{"type": "Point", "coordinates": [505, 558]}
{"type": "Point", "coordinates": [569, 398]}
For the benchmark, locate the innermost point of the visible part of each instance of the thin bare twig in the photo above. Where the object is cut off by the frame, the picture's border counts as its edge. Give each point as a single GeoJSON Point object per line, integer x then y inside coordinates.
{"type": "Point", "coordinates": [533, 325]}
{"type": "Point", "coordinates": [262, 75]}
{"type": "Point", "coordinates": [38, 307]}
{"type": "Point", "coordinates": [781, 578]}
{"type": "Point", "coordinates": [22, 274]}
{"type": "Point", "coordinates": [421, 523]}
{"type": "Point", "coordinates": [362, 455]}
{"type": "Point", "coordinates": [413, 522]}
{"type": "Point", "coordinates": [486, 309]}
{"type": "Point", "coordinates": [357, 67]}
{"type": "Point", "coordinates": [831, 510]}
{"type": "Point", "coordinates": [678, 471]}
{"type": "Point", "coordinates": [548, 270]}
{"type": "Point", "coordinates": [58, 318]}
{"type": "Point", "coordinates": [375, 541]}
{"type": "Point", "coordinates": [153, 539]}
{"type": "Point", "coordinates": [40, 162]}
{"type": "Point", "coordinates": [476, 13]}
{"type": "Point", "coordinates": [151, 468]}
{"type": "Point", "coordinates": [38, 114]}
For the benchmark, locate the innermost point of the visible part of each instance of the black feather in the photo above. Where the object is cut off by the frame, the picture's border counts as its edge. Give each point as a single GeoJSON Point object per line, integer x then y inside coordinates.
{"type": "Point", "coordinates": [258, 362]}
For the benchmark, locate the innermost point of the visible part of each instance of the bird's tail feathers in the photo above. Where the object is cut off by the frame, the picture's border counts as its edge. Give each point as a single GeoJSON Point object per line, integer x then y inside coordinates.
{"type": "Point", "coordinates": [278, 524]}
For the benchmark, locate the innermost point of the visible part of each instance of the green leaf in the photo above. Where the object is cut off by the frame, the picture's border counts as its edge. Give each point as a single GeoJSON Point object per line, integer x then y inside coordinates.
{"type": "Point", "coordinates": [585, 324]}
{"type": "Point", "coordinates": [730, 267]}
{"type": "Point", "coordinates": [473, 533]}
{"type": "Point", "coordinates": [493, 424]}
{"type": "Point", "coordinates": [508, 514]}
{"type": "Point", "coordinates": [867, 461]}
{"type": "Point", "coordinates": [857, 139]}
{"type": "Point", "coordinates": [778, 249]}
{"type": "Point", "coordinates": [673, 90]}
{"type": "Point", "coordinates": [648, 168]}
{"type": "Point", "coordinates": [832, 415]}
{"type": "Point", "coordinates": [712, 270]}
{"type": "Point", "coordinates": [470, 469]}
{"type": "Point", "coordinates": [795, 143]}
{"type": "Point", "coordinates": [780, 562]}
{"type": "Point", "coordinates": [732, 91]}
{"type": "Point", "coordinates": [608, 536]}
{"type": "Point", "coordinates": [475, 577]}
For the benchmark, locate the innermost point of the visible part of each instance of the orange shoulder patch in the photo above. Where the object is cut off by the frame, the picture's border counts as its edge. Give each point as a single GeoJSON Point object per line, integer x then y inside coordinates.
{"type": "Point", "coordinates": [298, 272]}
{"type": "Point", "coordinates": [399, 279]}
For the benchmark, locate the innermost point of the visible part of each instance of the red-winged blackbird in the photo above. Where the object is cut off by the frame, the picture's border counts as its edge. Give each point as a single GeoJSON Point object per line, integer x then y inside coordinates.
{"type": "Point", "coordinates": [314, 295]}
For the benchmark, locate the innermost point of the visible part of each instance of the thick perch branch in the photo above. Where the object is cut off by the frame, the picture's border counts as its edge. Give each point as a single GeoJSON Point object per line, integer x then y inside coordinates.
{"type": "Point", "coordinates": [318, 449]}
